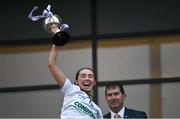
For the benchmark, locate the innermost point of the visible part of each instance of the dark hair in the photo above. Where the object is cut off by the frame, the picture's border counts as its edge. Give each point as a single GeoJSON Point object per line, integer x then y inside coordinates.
{"type": "Point", "coordinates": [113, 85]}
{"type": "Point", "coordinates": [77, 73]}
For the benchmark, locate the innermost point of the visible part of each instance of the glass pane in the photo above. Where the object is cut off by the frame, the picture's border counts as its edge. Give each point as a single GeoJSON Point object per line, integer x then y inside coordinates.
{"type": "Point", "coordinates": [127, 16]}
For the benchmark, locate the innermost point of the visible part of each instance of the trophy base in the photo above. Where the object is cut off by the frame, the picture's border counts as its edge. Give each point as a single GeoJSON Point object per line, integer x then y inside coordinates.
{"type": "Point", "coordinates": [61, 38]}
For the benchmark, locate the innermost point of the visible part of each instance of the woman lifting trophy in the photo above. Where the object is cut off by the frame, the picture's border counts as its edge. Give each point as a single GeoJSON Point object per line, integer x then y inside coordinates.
{"type": "Point", "coordinates": [52, 23]}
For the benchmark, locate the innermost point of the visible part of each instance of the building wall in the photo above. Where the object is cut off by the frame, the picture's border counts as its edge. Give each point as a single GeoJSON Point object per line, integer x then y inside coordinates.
{"type": "Point", "coordinates": [116, 62]}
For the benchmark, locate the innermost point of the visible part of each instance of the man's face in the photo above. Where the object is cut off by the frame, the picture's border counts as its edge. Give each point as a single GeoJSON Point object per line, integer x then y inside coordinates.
{"type": "Point", "coordinates": [115, 98]}
{"type": "Point", "coordinates": [86, 80]}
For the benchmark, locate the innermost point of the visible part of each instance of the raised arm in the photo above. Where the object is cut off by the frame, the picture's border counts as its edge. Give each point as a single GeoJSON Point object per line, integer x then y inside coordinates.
{"type": "Point", "coordinates": [54, 68]}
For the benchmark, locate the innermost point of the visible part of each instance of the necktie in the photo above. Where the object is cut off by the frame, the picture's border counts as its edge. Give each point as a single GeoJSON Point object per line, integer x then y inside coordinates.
{"type": "Point", "coordinates": [117, 116]}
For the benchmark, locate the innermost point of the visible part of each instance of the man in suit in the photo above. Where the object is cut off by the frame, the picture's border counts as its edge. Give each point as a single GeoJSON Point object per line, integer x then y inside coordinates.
{"type": "Point", "coordinates": [115, 96]}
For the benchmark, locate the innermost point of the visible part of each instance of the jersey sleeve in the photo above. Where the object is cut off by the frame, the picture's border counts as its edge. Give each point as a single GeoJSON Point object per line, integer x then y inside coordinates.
{"type": "Point", "coordinates": [69, 87]}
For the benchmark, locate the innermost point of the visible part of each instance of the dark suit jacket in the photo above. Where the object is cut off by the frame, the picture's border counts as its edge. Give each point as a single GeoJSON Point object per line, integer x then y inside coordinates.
{"type": "Point", "coordinates": [129, 113]}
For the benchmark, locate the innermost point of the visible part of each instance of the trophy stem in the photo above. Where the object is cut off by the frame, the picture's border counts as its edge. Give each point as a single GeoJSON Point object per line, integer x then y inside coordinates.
{"type": "Point", "coordinates": [61, 38]}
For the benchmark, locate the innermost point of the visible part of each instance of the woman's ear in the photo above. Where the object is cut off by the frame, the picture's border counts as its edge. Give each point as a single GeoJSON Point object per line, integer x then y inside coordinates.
{"type": "Point", "coordinates": [94, 82]}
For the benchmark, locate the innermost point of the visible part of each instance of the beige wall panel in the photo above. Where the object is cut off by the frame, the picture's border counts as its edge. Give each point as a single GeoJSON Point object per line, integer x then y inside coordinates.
{"type": "Point", "coordinates": [31, 68]}
{"type": "Point", "coordinates": [35, 104]}
{"type": "Point", "coordinates": [122, 63]}
{"type": "Point", "coordinates": [170, 100]}
{"type": "Point", "coordinates": [170, 59]}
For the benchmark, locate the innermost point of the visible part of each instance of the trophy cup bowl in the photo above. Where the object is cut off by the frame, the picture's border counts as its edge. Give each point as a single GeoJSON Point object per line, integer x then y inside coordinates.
{"type": "Point", "coordinates": [52, 25]}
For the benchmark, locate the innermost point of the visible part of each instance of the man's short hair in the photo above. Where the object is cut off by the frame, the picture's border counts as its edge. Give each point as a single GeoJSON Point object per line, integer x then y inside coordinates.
{"type": "Point", "coordinates": [114, 85]}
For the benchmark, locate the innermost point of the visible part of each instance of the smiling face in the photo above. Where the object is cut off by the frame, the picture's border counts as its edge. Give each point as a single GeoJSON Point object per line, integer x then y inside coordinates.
{"type": "Point", "coordinates": [115, 98]}
{"type": "Point", "coordinates": [85, 80]}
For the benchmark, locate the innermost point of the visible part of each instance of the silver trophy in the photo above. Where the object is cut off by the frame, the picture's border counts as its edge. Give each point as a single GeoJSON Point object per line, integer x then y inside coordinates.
{"type": "Point", "coordinates": [52, 23]}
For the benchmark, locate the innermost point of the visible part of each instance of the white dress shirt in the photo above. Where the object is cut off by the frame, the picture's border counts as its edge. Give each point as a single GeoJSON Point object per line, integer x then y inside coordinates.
{"type": "Point", "coordinates": [121, 113]}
